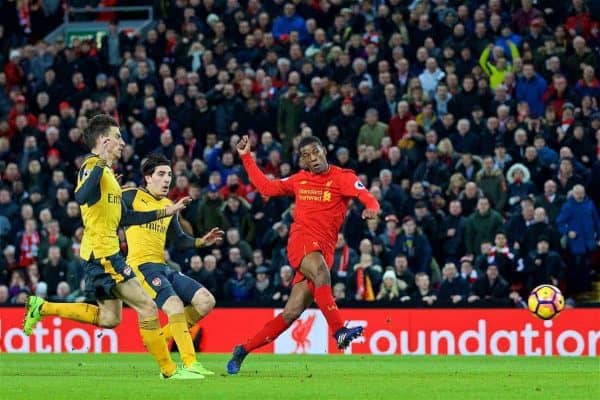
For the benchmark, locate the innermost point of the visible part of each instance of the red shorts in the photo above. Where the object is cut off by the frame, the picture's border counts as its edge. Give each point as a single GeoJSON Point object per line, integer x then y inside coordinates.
{"type": "Point", "coordinates": [297, 249]}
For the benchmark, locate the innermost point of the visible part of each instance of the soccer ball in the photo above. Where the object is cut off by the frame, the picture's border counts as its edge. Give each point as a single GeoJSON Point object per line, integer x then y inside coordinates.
{"type": "Point", "coordinates": [546, 301]}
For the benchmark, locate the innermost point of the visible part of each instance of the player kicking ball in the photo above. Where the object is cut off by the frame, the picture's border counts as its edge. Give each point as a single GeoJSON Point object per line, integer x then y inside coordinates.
{"type": "Point", "coordinates": [107, 275]}
{"type": "Point", "coordinates": [169, 289]}
{"type": "Point", "coordinates": [322, 193]}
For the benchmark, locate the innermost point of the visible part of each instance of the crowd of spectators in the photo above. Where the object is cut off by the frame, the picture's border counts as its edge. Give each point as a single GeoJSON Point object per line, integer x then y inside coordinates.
{"type": "Point", "coordinates": [475, 123]}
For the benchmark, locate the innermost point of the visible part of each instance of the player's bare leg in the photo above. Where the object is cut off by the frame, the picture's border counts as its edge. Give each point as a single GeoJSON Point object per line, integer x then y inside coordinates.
{"type": "Point", "coordinates": [110, 314]}
{"type": "Point", "coordinates": [107, 314]}
{"type": "Point", "coordinates": [300, 298]}
{"type": "Point", "coordinates": [178, 327]}
{"type": "Point", "coordinates": [201, 305]}
{"type": "Point", "coordinates": [132, 293]}
{"type": "Point", "coordinates": [314, 267]}
{"type": "Point", "coordinates": [173, 307]}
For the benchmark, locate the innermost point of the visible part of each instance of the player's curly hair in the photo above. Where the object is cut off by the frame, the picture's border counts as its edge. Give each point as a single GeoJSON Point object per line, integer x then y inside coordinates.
{"type": "Point", "coordinates": [305, 141]}
{"type": "Point", "coordinates": [151, 162]}
{"type": "Point", "coordinates": [98, 125]}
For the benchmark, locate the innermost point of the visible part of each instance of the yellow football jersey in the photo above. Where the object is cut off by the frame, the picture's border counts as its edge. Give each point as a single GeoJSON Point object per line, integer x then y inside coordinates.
{"type": "Point", "coordinates": [146, 242]}
{"type": "Point", "coordinates": [99, 195]}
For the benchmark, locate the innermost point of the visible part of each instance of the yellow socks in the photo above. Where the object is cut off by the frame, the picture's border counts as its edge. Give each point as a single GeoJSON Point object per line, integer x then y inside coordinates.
{"type": "Point", "coordinates": [191, 316]}
{"type": "Point", "coordinates": [80, 312]}
{"type": "Point", "coordinates": [166, 332]}
{"type": "Point", "coordinates": [182, 337]}
{"type": "Point", "coordinates": [155, 344]}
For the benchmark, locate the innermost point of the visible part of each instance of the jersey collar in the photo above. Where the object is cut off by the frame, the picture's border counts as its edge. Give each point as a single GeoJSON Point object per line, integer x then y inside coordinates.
{"type": "Point", "coordinates": [143, 189]}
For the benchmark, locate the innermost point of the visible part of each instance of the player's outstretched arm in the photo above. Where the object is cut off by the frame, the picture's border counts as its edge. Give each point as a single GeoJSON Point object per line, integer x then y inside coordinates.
{"type": "Point", "coordinates": [131, 217]}
{"type": "Point", "coordinates": [88, 186]}
{"type": "Point", "coordinates": [264, 185]}
{"type": "Point", "coordinates": [183, 241]}
{"type": "Point", "coordinates": [371, 204]}
{"type": "Point", "coordinates": [353, 187]}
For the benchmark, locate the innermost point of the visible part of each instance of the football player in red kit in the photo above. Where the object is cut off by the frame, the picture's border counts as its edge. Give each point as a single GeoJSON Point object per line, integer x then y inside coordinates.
{"type": "Point", "coordinates": [322, 193]}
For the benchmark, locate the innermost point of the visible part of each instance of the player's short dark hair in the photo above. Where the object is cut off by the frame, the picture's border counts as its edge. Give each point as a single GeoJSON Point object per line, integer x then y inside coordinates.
{"type": "Point", "coordinates": [309, 140]}
{"type": "Point", "coordinates": [99, 125]}
{"type": "Point", "coordinates": [152, 161]}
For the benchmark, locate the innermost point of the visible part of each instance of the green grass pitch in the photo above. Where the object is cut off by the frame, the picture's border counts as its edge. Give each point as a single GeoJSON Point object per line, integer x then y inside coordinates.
{"type": "Point", "coordinates": [134, 376]}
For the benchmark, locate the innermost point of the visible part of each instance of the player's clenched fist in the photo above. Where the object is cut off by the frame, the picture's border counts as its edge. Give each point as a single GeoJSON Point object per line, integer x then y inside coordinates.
{"type": "Point", "coordinates": [369, 213]}
{"type": "Point", "coordinates": [243, 146]}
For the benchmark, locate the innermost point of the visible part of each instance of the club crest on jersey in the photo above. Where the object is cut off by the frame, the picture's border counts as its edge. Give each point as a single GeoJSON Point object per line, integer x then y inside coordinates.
{"type": "Point", "coordinates": [358, 184]}
{"type": "Point", "coordinates": [156, 281]}
{"type": "Point", "coordinates": [127, 270]}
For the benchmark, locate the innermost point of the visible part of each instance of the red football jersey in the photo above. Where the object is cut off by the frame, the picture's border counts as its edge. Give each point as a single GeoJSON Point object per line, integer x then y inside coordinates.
{"type": "Point", "coordinates": [321, 200]}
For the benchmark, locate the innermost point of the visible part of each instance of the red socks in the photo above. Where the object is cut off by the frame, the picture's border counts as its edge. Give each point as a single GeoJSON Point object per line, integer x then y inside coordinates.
{"type": "Point", "coordinates": [267, 334]}
{"type": "Point", "coordinates": [277, 325]}
{"type": "Point", "coordinates": [326, 303]}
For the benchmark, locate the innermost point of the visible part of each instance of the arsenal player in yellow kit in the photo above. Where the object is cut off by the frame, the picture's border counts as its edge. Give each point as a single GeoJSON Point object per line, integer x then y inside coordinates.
{"type": "Point", "coordinates": [107, 275]}
{"type": "Point", "coordinates": [170, 289]}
